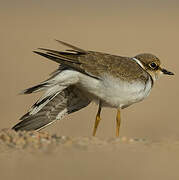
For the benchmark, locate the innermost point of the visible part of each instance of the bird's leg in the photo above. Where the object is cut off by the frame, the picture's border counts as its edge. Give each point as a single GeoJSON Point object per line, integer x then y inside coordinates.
{"type": "Point", "coordinates": [97, 120]}
{"type": "Point", "coordinates": [118, 122]}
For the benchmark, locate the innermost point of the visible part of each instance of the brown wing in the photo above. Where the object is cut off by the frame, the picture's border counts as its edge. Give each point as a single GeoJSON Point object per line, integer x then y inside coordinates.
{"type": "Point", "coordinates": [68, 101]}
{"type": "Point", "coordinates": [96, 64]}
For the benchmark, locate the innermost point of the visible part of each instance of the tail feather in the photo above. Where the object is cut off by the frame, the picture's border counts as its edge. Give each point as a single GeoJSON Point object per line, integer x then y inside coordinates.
{"type": "Point", "coordinates": [37, 88]}
{"type": "Point", "coordinates": [45, 84]}
{"type": "Point", "coordinates": [67, 101]}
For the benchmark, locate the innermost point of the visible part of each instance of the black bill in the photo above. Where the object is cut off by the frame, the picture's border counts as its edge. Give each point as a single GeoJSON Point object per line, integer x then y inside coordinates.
{"type": "Point", "coordinates": [167, 72]}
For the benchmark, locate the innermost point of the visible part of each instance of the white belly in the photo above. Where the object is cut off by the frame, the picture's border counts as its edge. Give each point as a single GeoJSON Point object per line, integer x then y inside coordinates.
{"type": "Point", "coordinates": [115, 92]}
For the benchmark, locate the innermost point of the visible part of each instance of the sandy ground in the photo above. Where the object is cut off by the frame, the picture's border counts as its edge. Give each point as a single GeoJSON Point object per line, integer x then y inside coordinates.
{"type": "Point", "coordinates": [148, 146]}
{"type": "Point", "coordinates": [33, 155]}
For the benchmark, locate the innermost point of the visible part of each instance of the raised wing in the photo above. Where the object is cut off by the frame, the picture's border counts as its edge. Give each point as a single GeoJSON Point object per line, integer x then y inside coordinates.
{"type": "Point", "coordinates": [69, 100]}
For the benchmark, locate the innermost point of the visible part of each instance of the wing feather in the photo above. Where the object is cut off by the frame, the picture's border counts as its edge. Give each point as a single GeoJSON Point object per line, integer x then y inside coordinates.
{"type": "Point", "coordinates": [69, 100]}
{"type": "Point", "coordinates": [77, 49]}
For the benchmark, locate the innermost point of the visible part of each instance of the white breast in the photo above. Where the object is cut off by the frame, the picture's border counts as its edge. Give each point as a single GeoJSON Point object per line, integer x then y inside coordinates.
{"type": "Point", "coordinates": [115, 92]}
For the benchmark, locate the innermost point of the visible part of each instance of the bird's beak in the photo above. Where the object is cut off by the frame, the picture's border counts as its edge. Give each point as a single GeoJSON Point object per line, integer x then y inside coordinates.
{"type": "Point", "coordinates": [166, 72]}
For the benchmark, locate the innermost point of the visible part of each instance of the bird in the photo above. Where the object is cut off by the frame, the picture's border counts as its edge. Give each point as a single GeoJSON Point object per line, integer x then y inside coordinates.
{"type": "Point", "coordinates": [84, 76]}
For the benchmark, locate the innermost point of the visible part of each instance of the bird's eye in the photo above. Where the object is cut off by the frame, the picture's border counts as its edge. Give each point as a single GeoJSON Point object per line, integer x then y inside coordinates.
{"type": "Point", "coordinates": [153, 65]}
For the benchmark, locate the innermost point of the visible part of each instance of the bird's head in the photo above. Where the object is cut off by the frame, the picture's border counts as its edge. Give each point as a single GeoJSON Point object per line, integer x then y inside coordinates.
{"type": "Point", "coordinates": [152, 65]}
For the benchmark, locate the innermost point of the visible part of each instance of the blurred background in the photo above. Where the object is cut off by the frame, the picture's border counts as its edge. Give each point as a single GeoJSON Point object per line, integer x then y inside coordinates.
{"type": "Point", "coordinates": [118, 27]}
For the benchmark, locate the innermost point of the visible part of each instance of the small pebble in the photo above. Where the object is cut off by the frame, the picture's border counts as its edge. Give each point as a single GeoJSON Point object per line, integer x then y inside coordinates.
{"type": "Point", "coordinates": [124, 139]}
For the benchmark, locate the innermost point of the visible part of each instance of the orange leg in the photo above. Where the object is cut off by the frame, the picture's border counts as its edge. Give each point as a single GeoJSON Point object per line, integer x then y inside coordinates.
{"type": "Point", "coordinates": [118, 122]}
{"type": "Point", "coordinates": [97, 120]}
